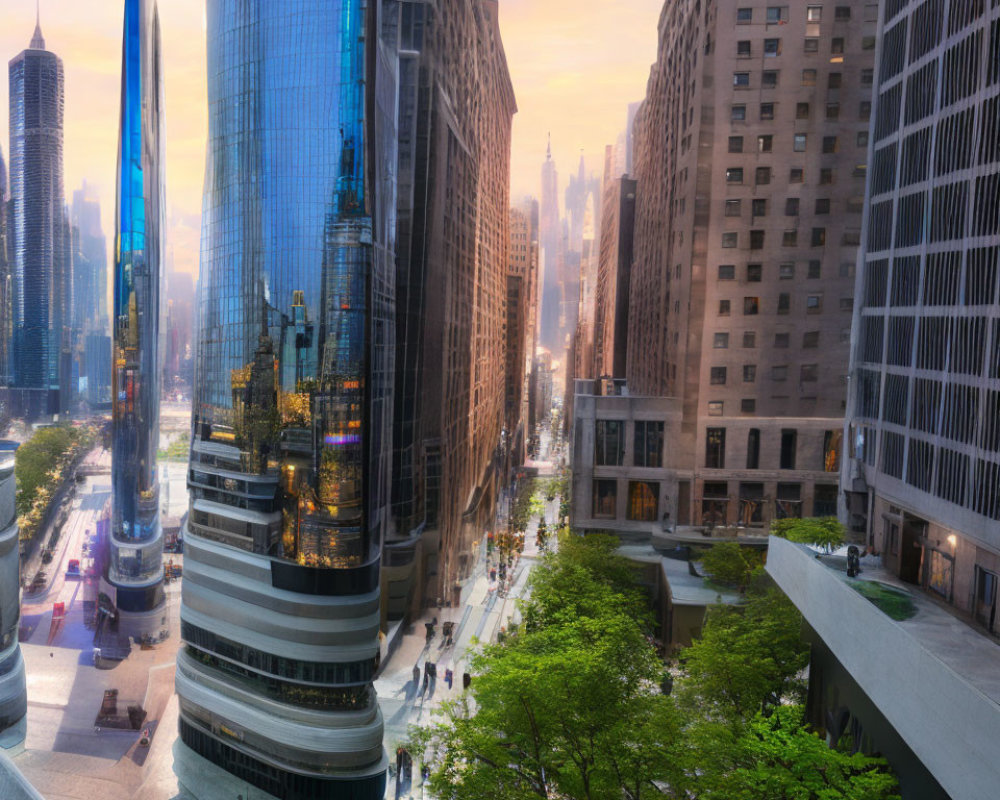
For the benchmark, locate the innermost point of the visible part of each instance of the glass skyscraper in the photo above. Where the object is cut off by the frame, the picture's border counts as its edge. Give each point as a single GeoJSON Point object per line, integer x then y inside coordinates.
{"type": "Point", "coordinates": [134, 567]}
{"type": "Point", "coordinates": [13, 689]}
{"type": "Point", "coordinates": [38, 227]}
{"type": "Point", "coordinates": [292, 407]}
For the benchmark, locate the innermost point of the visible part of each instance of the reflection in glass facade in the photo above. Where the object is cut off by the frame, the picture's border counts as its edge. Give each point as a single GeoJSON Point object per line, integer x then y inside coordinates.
{"type": "Point", "coordinates": [289, 459]}
{"type": "Point", "coordinates": [38, 232]}
{"type": "Point", "coordinates": [135, 560]}
{"type": "Point", "coordinates": [13, 691]}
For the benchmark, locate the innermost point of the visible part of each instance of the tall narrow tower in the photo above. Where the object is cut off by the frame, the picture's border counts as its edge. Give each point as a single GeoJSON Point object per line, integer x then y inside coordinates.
{"type": "Point", "coordinates": [134, 570]}
{"type": "Point", "coordinates": [550, 256]}
{"type": "Point", "coordinates": [37, 227]}
{"type": "Point", "coordinates": [289, 470]}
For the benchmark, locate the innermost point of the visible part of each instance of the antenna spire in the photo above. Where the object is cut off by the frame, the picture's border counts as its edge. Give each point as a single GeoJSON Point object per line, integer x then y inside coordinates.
{"type": "Point", "coordinates": [38, 41]}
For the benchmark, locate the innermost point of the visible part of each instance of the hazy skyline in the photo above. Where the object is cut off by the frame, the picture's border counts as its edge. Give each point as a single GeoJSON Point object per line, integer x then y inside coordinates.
{"type": "Point", "coordinates": [575, 69]}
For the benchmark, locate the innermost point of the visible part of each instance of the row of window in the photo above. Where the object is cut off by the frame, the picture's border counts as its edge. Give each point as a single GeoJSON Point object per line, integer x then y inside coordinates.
{"type": "Point", "coordinates": [715, 449]}
{"type": "Point", "coordinates": [810, 339]}
{"type": "Point", "coordinates": [821, 207]}
{"type": "Point", "coordinates": [778, 15]}
{"type": "Point", "coordinates": [763, 175]}
{"type": "Point", "coordinates": [788, 502]}
{"type": "Point", "coordinates": [772, 47]}
{"type": "Point", "coordinates": [609, 443]}
{"type": "Point", "coordinates": [789, 238]}
{"type": "Point", "coordinates": [765, 142]}
{"type": "Point", "coordinates": [643, 500]}
{"type": "Point", "coordinates": [786, 271]}
{"type": "Point", "coordinates": [808, 373]}
{"type": "Point", "coordinates": [942, 280]}
{"type": "Point", "coordinates": [952, 476]}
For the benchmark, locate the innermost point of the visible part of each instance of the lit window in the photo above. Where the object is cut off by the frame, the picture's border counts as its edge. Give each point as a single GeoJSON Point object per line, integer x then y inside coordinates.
{"type": "Point", "coordinates": [643, 501]}
{"type": "Point", "coordinates": [814, 13]}
{"type": "Point", "coordinates": [715, 408]}
{"type": "Point", "coordinates": [799, 142]}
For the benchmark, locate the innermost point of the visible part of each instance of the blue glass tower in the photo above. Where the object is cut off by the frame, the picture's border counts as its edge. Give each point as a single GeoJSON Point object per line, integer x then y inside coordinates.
{"type": "Point", "coordinates": [38, 230]}
{"type": "Point", "coordinates": [134, 568]}
{"type": "Point", "coordinates": [292, 408]}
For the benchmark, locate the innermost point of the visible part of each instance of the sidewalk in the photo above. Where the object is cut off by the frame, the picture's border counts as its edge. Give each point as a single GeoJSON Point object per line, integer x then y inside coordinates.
{"type": "Point", "coordinates": [404, 703]}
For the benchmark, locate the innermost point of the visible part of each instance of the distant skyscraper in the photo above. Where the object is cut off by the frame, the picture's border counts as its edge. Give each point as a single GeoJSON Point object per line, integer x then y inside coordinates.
{"type": "Point", "coordinates": [90, 267]}
{"type": "Point", "coordinates": [135, 570]}
{"type": "Point", "coordinates": [289, 473]}
{"type": "Point", "coordinates": [551, 263]}
{"type": "Point", "coordinates": [38, 228]}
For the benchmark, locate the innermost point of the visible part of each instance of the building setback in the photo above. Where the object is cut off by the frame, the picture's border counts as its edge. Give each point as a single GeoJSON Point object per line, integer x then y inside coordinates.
{"type": "Point", "coordinates": [749, 160]}
{"type": "Point", "coordinates": [452, 264]}
{"type": "Point", "coordinates": [39, 235]}
{"type": "Point", "coordinates": [289, 469]}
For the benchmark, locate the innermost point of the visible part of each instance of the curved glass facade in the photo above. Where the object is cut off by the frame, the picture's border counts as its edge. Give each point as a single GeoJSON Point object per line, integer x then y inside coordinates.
{"type": "Point", "coordinates": [13, 690]}
{"type": "Point", "coordinates": [289, 464]}
{"type": "Point", "coordinates": [135, 562]}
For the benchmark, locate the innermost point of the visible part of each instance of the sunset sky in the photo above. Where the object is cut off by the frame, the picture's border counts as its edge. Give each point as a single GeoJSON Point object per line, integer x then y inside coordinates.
{"type": "Point", "coordinates": [576, 65]}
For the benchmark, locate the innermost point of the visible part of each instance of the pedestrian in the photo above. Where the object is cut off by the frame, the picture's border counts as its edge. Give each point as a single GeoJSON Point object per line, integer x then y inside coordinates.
{"type": "Point", "coordinates": [427, 674]}
{"type": "Point", "coordinates": [493, 575]}
{"type": "Point", "coordinates": [416, 675]}
{"type": "Point", "coordinates": [433, 669]}
{"type": "Point", "coordinates": [449, 676]}
{"type": "Point", "coordinates": [466, 680]}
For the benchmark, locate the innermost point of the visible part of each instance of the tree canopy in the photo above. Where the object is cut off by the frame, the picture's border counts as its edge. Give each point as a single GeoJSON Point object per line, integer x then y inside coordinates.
{"type": "Point", "coordinates": [569, 706]}
{"type": "Point", "coordinates": [821, 531]}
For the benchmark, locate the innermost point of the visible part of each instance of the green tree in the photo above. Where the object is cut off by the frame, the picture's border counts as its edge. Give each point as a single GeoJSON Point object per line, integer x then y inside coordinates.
{"type": "Point", "coordinates": [821, 531]}
{"type": "Point", "coordinates": [729, 563]}
{"type": "Point", "coordinates": [568, 711]}
{"type": "Point", "coordinates": [748, 657]}
{"type": "Point", "coordinates": [778, 758]}
{"type": "Point", "coordinates": [583, 578]}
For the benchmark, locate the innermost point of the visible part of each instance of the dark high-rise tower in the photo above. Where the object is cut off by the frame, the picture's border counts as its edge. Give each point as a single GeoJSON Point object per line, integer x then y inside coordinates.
{"type": "Point", "coordinates": [289, 472]}
{"type": "Point", "coordinates": [5, 310]}
{"type": "Point", "coordinates": [38, 228]}
{"type": "Point", "coordinates": [135, 570]}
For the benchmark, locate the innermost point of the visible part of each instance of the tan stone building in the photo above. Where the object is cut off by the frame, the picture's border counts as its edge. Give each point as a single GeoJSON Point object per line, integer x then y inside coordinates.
{"type": "Point", "coordinates": [750, 153]}
{"type": "Point", "coordinates": [456, 109]}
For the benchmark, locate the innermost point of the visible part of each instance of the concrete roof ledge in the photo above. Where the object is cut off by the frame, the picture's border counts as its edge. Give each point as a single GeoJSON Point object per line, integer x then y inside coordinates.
{"type": "Point", "coordinates": [949, 722]}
